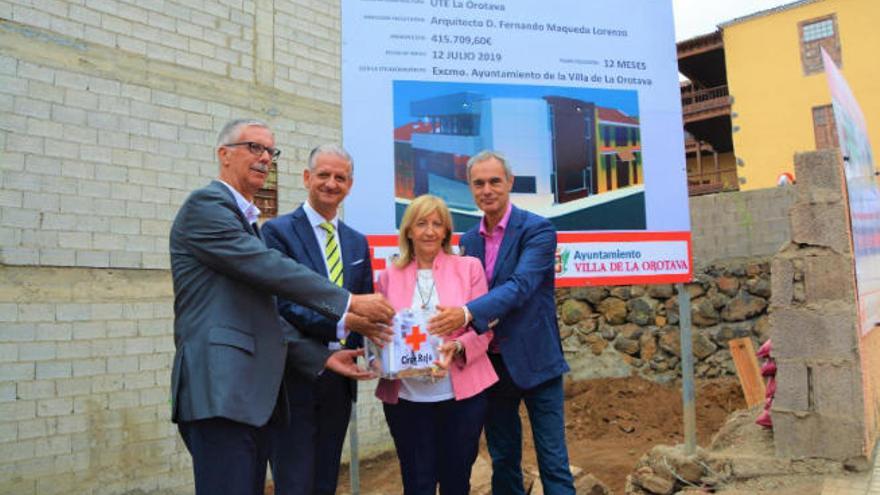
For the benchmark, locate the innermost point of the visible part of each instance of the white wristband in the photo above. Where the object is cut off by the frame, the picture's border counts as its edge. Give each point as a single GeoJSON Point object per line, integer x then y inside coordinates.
{"type": "Point", "coordinates": [467, 315]}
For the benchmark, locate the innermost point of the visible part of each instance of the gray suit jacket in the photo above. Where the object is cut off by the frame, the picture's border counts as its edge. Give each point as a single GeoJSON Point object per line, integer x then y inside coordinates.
{"type": "Point", "coordinates": [231, 344]}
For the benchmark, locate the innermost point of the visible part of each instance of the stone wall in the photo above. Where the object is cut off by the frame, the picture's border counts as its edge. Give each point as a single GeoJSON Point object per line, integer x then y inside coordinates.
{"type": "Point", "coordinates": [616, 331]}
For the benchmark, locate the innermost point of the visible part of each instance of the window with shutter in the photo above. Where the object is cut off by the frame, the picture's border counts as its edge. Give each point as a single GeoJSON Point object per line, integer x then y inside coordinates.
{"type": "Point", "coordinates": [815, 34]}
{"type": "Point", "coordinates": [824, 127]}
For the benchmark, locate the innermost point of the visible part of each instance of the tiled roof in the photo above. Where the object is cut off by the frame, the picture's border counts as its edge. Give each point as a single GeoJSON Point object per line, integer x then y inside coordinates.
{"type": "Point", "coordinates": [766, 12]}
{"type": "Point", "coordinates": [405, 132]}
{"type": "Point", "coordinates": [614, 115]}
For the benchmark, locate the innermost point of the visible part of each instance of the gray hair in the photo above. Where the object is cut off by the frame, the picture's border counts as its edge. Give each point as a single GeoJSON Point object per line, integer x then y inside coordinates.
{"type": "Point", "coordinates": [329, 149]}
{"type": "Point", "coordinates": [232, 129]}
{"type": "Point", "coordinates": [488, 155]}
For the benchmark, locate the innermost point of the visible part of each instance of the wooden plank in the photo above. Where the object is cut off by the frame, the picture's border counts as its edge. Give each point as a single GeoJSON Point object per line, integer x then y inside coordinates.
{"type": "Point", "coordinates": [747, 370]}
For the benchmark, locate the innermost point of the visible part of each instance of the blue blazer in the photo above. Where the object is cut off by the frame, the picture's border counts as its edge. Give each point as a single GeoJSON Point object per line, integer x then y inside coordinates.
{"type": "Point", "coordinates": [521, 304]}
{"type": "Point", "coordinates": [292, 234]}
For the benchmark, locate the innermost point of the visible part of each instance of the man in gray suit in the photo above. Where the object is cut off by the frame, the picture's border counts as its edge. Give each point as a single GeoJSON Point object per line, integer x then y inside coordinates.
{"type": "Point", "coordinates": [231, 344]}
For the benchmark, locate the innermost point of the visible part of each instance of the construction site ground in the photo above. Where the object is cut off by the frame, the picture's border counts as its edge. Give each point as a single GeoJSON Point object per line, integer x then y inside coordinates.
{"type": "Point", "coordinates": [610, 424]}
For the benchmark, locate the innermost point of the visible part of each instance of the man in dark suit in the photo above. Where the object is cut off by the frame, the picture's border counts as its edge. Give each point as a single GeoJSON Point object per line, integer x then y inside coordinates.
{"type": "Point", "coordinates": [305, 453]}
{"type": "Point", "coordinates": [231, 345]}
{"type": "Point", "coordinates": [517, 249]}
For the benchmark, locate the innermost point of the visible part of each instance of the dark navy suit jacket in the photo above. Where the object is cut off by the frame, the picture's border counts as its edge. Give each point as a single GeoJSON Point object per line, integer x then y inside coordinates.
{"type": "Point", "coordinates": [293, 235]}
{"type": "Point", "coordinates": [521, 305]}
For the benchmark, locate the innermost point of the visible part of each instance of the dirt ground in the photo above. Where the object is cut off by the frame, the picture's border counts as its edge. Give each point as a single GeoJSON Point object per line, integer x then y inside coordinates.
{"type": "Point", "coordinates": [610, 424]}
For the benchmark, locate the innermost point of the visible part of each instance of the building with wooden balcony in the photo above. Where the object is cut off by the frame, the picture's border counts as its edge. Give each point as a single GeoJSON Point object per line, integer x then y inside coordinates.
{"type": "Point", "coordinates": [706, 111]}
{"type": "Point", "coordinates": [756, 92]}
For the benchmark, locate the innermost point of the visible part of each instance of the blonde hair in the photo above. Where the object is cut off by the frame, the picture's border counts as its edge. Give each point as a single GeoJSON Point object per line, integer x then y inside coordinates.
{"type": "Point", "coordinates": [421, 207]}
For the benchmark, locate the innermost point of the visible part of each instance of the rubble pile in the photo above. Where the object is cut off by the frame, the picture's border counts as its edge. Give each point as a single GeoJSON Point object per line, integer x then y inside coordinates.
{"type": "Point", "coordinates": [667, 470]}
{"type": "Point", "coordinates": [739, 460]}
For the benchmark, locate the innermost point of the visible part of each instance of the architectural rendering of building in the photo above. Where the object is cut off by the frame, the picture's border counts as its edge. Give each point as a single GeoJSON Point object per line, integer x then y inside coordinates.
{"type": "Point", "coordinates": [561, 149]}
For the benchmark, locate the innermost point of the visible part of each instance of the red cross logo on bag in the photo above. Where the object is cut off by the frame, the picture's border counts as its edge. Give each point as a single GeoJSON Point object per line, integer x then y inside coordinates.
{"type": "Point", "coordinates": [415, 339]}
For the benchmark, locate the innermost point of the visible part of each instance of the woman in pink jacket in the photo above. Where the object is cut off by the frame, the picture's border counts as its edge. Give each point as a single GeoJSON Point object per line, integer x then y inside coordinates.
{"type": "Point", "coordinates": [436, 423]}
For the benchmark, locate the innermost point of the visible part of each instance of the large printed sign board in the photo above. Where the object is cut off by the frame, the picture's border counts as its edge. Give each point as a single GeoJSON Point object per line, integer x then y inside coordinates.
{"type": "Point", "coordinates": [581, 96]}
{"type": "Point", "coordinates": [864, 196]}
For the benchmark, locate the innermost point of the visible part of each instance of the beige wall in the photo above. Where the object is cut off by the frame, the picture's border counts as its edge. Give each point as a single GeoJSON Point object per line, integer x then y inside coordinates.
{"type": "Point", "coordinates": [869, 349]}
{"type": "Point", "coordinates": [86, 355]}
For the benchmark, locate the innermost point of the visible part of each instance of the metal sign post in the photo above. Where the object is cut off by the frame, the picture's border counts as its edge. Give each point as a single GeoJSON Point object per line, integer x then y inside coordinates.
{"type": "Point", "coordinates": [687, 370]}
{"type": "Point", "coordinates": [353, 458]}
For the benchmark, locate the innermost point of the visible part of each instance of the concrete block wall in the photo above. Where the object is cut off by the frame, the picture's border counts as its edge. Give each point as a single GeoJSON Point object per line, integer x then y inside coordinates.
{"type": "Point", "coordinates": [740, 224]}
{"type": "Point", "coordinates": [307, 48]}
{"type": "Point", "coordinates": [292, 45]}
{"type": "Point", "coordinates": [109, 111]}
{"type": "Point", "coordinates": [84, 363]}
{"type": "Point", "coordinates": [84, 374]}
{"type": "Point", "coordinates": [819, 404]}
{"type": "Point", "coordinates": [101, 144]}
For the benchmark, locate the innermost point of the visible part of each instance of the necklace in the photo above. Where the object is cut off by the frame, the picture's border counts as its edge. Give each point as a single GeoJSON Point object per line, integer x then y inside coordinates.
{"type": "Point", "coordinates": [425, 298]}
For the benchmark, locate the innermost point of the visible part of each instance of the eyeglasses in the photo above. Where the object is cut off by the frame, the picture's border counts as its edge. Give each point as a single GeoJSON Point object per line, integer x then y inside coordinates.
{"type": "Point", "coordinates": [258, 149]}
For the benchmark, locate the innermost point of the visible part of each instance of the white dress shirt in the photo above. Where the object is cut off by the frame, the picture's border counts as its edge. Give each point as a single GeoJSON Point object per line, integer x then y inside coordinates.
{"type": "Point", "coordinates": [247, 208]}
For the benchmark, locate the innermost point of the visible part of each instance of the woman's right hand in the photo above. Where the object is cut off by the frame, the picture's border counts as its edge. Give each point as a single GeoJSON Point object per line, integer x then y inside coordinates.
{"type": "Point", "coordinates": [447, 351]}
{"type": "Point", "coordinates": [447, 320]}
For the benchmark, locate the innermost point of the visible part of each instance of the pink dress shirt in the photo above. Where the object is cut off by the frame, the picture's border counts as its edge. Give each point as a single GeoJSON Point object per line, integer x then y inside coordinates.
{"type": "Point", "coordinates": [492, 246]}
{"type": "Point", "coordinates": [493, 240]}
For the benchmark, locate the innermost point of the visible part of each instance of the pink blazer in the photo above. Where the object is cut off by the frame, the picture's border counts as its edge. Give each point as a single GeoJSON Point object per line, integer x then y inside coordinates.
{"type": "Point", "coordinates": [458, 279]}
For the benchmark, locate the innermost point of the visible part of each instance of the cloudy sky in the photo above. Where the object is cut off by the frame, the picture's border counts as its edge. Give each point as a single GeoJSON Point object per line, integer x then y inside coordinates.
{"type": "Point", "coordinates": [695, 17]}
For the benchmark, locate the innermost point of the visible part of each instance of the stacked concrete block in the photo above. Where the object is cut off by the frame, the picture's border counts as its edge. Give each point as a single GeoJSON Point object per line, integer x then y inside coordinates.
{"type": "Point", "coordinates": [308, 48]}
{"type": "Point", "coordinates": [818, 410]}
{"type": "Point", "coordinates": [109, 111]}
{"type": "Point", "coordinates": [742, 224]}
{"type": "Point", "coordinates": [101, 140]}
{"type": "Point", "coordinates": [84, 378]}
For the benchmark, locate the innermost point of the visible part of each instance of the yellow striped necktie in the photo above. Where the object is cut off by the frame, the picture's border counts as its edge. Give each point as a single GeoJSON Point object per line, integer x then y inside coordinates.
{"type": "Point", "coordinates": [331, 253]}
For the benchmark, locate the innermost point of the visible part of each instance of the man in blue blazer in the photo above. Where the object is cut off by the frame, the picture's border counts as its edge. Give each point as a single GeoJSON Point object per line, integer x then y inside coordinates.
{"type": "Point", "coordinates": [305, 453]}
{"type": "Point", "coordinates": [231, 345]}
{"type": "Point", "coordinates": [517, 249]}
